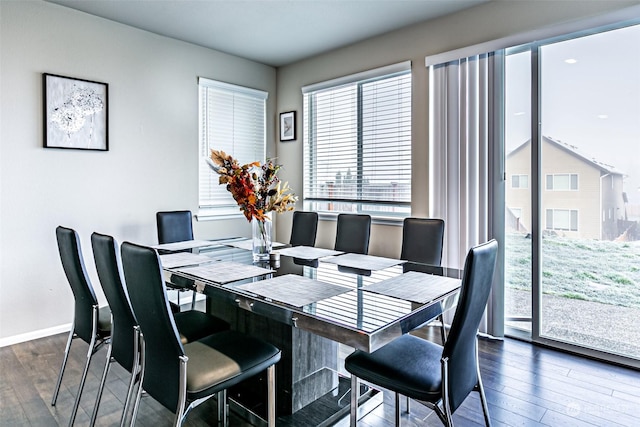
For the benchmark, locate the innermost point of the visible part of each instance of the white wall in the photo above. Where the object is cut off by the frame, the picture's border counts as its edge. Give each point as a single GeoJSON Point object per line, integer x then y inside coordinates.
{"type": "Point", "coordinates": [482, 23]}
{"type": "Point", "coordinates": [151, 164]}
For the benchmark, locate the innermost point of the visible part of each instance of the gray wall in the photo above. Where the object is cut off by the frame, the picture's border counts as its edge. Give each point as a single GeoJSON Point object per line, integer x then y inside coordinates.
{"type": "Point", "coordinates": [151, 164]}
{"type": "Point", "coordinates": [486, 22]}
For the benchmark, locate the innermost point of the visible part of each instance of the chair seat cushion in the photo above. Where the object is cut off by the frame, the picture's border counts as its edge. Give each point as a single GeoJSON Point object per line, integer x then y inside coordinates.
{"type": "Point", "coordinates": [193, 325]}
{"type": "Point", "coordinates": [104, 321]}
{"type": "Point", "coordinates": [408, 365]}
{"type": "Point", "coordinates": [224, 359]}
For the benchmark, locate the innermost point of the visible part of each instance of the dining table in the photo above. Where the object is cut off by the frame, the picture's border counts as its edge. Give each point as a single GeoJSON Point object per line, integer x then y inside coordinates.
{"type": "Point", "coordinates": [312, 303]}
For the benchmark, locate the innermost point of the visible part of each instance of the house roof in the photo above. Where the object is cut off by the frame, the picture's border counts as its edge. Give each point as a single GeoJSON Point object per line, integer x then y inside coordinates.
{"type": "Point", "coordinates": [572, 150]}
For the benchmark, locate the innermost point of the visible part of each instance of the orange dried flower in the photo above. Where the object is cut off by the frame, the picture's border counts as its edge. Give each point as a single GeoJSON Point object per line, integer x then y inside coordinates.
{"type": "Point", "coordinates": [255, 187]}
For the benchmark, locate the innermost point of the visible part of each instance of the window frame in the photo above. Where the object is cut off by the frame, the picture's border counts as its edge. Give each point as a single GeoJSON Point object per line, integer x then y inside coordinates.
{"type": "Point", "coordinates": [519, 176]}
{"type": "Point", "coordinates": [233, 146]}
{"type": "Point", "coordinates": [359, 204]}
{"type": "Point", "coordinates": [553, 177]}
{"type": "Point", "coordinates": [571, 212]}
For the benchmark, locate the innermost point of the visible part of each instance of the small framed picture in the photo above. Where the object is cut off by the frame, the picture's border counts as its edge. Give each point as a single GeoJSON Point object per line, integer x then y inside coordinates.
{"type": "Point", "coordinates": [288, 126]}
{"type": "Point", "coordinates": [76, 114]}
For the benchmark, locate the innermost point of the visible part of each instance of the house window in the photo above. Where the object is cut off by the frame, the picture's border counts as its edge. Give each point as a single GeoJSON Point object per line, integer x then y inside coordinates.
{"type": "Point", "coordinates": [357, 143]}
{"type": "Point", "coordinates": [562, 219]}
{"type": "Point", "coordinates": [520, 181]}
{"type": "Point", "coordinates": [562, 182]}
{"type": "Point", "coordinates": [232, 119]}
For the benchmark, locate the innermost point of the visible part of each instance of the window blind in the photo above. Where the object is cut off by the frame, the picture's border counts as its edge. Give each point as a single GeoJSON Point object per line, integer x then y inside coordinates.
{"type": "Point", "coordinates": [357, 144]}
{"type": "Point", "coordinates": [232, 119]}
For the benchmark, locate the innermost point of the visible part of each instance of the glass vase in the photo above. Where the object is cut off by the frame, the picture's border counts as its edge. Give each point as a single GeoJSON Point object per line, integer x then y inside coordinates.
{"type": "Point", "coordinates": [261, 236]}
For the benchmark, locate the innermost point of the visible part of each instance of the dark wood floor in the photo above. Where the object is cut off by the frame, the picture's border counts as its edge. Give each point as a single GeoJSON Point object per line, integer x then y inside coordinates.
{"type": "Point", "coordinates": [525, 386]}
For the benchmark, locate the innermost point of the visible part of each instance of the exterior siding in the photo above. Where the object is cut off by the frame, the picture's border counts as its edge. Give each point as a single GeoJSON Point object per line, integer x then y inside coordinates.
{"type": "Point", "coordinates": [598, 198]}
{"type": "Point", "coordinates": [586, 200]}
{"type": "Point", "coordinates": [519, 164]}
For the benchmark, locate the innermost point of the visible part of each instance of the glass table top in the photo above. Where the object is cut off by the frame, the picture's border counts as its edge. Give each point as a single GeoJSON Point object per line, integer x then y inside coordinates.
{"type": "Point", "coordinates": [325, 297]}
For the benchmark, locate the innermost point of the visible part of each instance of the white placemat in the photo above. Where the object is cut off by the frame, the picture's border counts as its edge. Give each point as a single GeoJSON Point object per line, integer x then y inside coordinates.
{"type": "Point", "coordinates": [183, 259]}
{"type": "Point", "coordinates": [294, 290]}
{"type": "Point", "coordinates": [363, 262]}
{"type": "Point", "coordinates": [414, 286]}
{"type": "Point", "coordinates": [180, 246]}
{"type": "Point", "coordinates": [307, 252]}
{"type": "Point", "coordinates": [225, 271]}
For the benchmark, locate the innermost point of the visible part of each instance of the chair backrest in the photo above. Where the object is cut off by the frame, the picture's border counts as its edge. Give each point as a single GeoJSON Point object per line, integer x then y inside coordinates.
{"type": "Point", "coordinates": [461, 345]}
{"type": "Point", "coordinates": [106, 257]}
{"type": "Point", "coordinates": [304, 228]}
{"type": "Point", "coordinates": [174, 226]}
{"type": "Point", "coordinates": [422, 240]}
{"type": "Point", "coordinates": [352, 233]}
{"type": "Point", "coordinates": [162, 346]}
{"type": "Point", "coordinates": [74, 269]}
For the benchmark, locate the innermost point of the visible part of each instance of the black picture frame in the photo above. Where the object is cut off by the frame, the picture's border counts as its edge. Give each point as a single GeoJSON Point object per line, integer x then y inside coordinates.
{"type": "Point", "coordinates": [76, 113]}
{"type": "Point", "coordinates": [288, 126]}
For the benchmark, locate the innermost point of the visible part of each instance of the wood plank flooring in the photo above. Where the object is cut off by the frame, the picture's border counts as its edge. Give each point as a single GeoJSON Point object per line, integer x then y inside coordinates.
{"type": "Point", "coordinates": [525, 386]}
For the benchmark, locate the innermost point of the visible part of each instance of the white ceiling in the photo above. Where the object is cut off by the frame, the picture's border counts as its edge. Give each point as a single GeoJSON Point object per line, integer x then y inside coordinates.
{"type": "Point", "coordinates": [273, 32]}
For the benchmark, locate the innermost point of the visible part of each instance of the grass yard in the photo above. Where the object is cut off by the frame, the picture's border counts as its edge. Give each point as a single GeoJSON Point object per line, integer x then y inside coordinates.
{"type": "Point", "coordinates": [589, 270]}
{"type": "Point", "coordinates": [590, 291]}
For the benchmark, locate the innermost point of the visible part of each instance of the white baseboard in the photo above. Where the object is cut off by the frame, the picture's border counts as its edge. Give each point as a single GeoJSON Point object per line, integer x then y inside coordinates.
{"type": "Point", "coordinates": [41, 333]}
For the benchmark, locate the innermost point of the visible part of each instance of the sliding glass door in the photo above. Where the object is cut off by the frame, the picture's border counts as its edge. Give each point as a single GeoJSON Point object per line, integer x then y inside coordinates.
{"type": "Point", "coordinates": [572, 216]}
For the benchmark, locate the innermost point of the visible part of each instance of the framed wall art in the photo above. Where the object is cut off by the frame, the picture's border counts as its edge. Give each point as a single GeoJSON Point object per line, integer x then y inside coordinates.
{"type": "Point", "coordinates": [76, 114]}
{"type": "Point", "coordinates": [288, 126]}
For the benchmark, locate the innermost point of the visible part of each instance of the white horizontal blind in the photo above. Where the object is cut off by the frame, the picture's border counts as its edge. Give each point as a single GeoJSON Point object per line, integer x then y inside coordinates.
{"type": "Point", "coordinates": [357, 146]}
{"type": "Point", "coordinates": [232, 119]}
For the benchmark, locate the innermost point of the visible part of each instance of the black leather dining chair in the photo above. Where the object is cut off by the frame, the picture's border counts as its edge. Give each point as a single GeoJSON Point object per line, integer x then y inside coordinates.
{"type": "Point", "coordinates": [124, 346]}
{"type": "Point", "coordinates": [441, 377]}
{"type": "Point", "coordinates": [91, 323]}
{"type": "Point", "coordinates": [352, 233]}
{"type": "Point", "coordinates": [181, 376]}
{"type": "Point", "coordinates": [422, 242]}
{"type": "Point", "coordinates": [176, 226]}
{"type": "Point", "coordinates": [304, 228]}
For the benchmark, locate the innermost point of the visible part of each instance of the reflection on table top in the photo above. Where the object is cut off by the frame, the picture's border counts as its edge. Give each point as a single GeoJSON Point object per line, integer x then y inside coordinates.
{"type": "Point", "coordinates": [342, 310]}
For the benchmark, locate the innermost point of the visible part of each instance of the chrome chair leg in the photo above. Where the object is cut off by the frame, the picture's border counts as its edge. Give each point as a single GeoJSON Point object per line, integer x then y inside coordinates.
{"type": "Point", "coordinates": [443, 331]}
{"type": "Point", "coordinates": [353, 420]}
{"type": "Point", "coordinates": [446, 408]}
{"type": "Point", "coordinates": [271, 396]}
{"type": "Point", "coordinates": [182, 408]}
{"type": "Point", "coordinates": [64, 364]}
{"type": "Point", "coordinates": [135, 377]}
{"type": "Point", "coordinates": [193, 300]}
{"type": "Point", "coordinates": [223, 416]}
{"type": "Point", "coordinates": [480, 388]}
{"type": "Point", "coordinates": [105, 372]}
{"type": "Point", "coordinates": [483, 401]}
{"type": "Point", "coordinates": [141, 380]}
{"type": "Point", "coordinates": [408, 403]}
{"type": "Point", "coordinates": [74, 411]}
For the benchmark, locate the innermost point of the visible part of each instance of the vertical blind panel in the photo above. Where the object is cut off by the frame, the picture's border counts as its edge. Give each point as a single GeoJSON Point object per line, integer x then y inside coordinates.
{"type": "Point", "coordinates": [459, 153]}
{"type": "Point", "coordinates": [232, 121]}
{"type": "Point", "coordinates": [357, 142]}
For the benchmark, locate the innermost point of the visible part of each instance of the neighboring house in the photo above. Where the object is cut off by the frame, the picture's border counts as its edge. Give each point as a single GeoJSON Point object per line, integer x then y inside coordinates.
{"type": "Point", "coordinates": [581, 197]}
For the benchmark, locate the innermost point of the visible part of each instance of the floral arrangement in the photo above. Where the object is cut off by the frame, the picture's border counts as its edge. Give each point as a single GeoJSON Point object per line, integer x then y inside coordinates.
{"type": "Point", "coordinates": [255, 187]}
